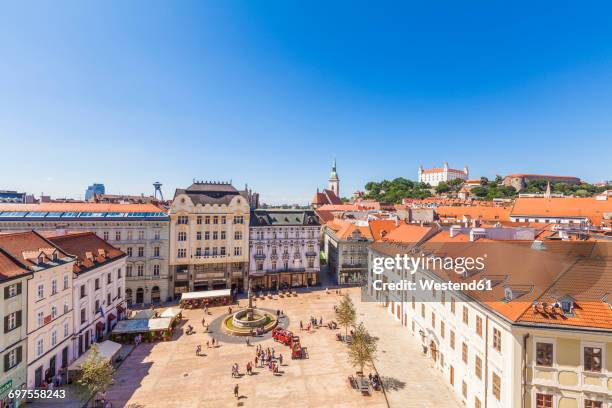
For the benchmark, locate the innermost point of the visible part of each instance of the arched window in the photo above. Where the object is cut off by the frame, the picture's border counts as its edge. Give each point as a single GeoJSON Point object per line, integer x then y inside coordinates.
{"type": "Point", "coordinates": [128, 296]}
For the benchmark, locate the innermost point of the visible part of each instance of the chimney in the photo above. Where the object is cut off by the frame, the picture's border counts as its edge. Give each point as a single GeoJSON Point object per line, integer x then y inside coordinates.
{"type": "Point", "coordinates": [476, 233]}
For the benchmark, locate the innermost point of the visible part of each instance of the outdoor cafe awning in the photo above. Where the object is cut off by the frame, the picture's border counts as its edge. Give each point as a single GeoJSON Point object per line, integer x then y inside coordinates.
{"type": "Point", "coordinates": [206, 294]}
{"type": "Point", "coordinates": [107, 349]}
{"type": "Point", "coordinates": [170, 312]}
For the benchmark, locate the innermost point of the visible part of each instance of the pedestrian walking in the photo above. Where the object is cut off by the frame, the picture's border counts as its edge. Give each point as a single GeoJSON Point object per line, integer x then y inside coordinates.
{"type": "Point", "coordinates": [301, 326]}
{"type": "Point", "coordinates": [207, 344]}
{"type": "Point", "coordinates": [280, 359]}
{"type": "Point", "coordinates": [198, 350]}
{"type": "Point", "coordinates": [236, 391]}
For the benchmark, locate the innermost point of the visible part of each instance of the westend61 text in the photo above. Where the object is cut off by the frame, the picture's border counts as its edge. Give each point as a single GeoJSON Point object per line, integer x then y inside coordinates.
{"type": "Point", "coordinates": [429, 284]}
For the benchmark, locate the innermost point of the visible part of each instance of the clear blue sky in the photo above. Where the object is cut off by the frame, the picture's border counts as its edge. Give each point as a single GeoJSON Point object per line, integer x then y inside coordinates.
{"type": "Point", "coordinates": [268, 93]}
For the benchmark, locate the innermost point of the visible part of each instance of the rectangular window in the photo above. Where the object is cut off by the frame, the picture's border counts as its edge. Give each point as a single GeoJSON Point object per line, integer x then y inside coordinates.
{"type": "Point", "coordinates": [222, 234]}
{"type": "Point", "coordinates": [496, 386]}
{"type": "Point", "coordinates": [128, 251]}
{"type": "Point", "coordinates": [238, 219]}
{"type": "Point", "coordinates": [83, 291]}
{"type": "Point", "coordinates": [156, 270]}
{"type": "Point", "coordinates": [182, 219]}
{"type": "Point", "coordinates": [478, 367]}
{"type": "Point", "coordinates": [83, 316]}
{"type": "Point", "coordinates": [40, 318]}
{"type": "Point", "coordinates": [224, 220]}
{"type": "Point", "coordinates": [41, 291]}
{"type": "Point", "coordinates": [198, 236]}
{"type": "Point", "coordinates": [207, 219]}
{"type": "Point", "coordinates": [593, 404]}
{"type": "Point", "coordinates": [140, 270]}
{"type": "Point", "coordinates": [53, 287]}
{"type": "Point", "coordinates": [465, 315]}
{"type": "Point", "coordinates": [12, 358]}
{"type": "Point", "coordinates": [433, 320]}
{"type": "Point", "coordinates": [65, 329]}
{"type": "Point", "coordinates": [215, 220]}
{"type": "Point", "coordinates": [53, 338]}
{"type": "Point", "coordinates": [237, 251]}
{"type": "Point", "coordinates": [117, 235]}
{"type": "Point", "coordinates": [141, 235]}
{"type": "Point", "coordinates": [452, 305]}
{"type": "Point", "coordinates": [479, 326]}
{"type": "Point", "coordinates": [464, 389]}
{"type": "Point", "coordinates": [544, 354]}
{"type": "Point", "coordinates": [128, 270]}
{"type": "Point", "coordinates": [130, 236]}
{"type": "Point", "coordinates": [215, 235]}
{"type": "Point", "coordinates": [199, 220]}
{"type": "Point", "coordinates": [496, 339]}
{"type": "Point", "coordinates": [452, 339]}
{"type": "Point", "coordinates": [109, 278]}
{"type": "Point", "coordinates": [39, 347]}
{"type": "Point", "coordinates": [464, 352]}
{"type": "Point", "coordinates": [140, 252]}
{"type": "Point", "coordinates": [592, 359]}
{"type": "Point", "coordinates": [65, 282]}
{"type": "Point", "coordinates": [238, 235]}
{"type": "Point", "coordinates": [544, 401]}
{"type": "Point", "coordinates": [105, 235]}
{"type": "Point", "coordinates": [108, 298]}
{"type": "Point", "coordinates": [477, 403]}
{"type": "Point", "coordinates": [422, 310]}
{"type": "Point", "coordinates": [442, 328]}
{"type": "Point", "coordinates": [156, 251]}
{"type": "Point", "coordinates": [182, 236]}
{"type": "Point", "coordinates": [97, 284]}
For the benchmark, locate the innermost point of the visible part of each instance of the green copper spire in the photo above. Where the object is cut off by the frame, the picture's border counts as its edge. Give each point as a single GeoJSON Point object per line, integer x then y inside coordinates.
{"type": "Point", "coordinates": [333, 175]}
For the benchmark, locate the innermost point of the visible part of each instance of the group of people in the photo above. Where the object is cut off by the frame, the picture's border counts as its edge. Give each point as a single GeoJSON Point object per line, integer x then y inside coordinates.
{"type": "Point", "coordinates": [137, 339]}
{"type": "Point", "coordinates": [312, 324]}
{"type": "Point", "coordinates": [375, 381]}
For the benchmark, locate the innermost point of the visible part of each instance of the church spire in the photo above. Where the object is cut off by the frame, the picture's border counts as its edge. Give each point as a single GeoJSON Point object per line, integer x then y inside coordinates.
{"type": "Point", "coordinates": [334, 180]}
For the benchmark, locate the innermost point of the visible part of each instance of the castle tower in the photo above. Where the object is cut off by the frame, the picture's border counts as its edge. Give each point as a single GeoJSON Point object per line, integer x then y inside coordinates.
{"type": "Point", "coordinates": [334, 181]}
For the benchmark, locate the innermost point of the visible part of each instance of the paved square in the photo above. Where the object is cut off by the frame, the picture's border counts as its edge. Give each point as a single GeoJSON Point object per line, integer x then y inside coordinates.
{"type": "Point", "coordinates": [168, 374]}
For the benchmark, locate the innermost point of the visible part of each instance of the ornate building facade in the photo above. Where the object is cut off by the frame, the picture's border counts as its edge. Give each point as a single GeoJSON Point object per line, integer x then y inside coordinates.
{"type": "Point", "coordinates": [209, 237]}
{"type": "Point", "coordinates": [284, 249]}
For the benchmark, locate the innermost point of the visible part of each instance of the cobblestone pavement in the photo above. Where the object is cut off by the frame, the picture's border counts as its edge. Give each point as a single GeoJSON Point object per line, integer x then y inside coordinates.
{"type": "Point", "coordinates": [412, 381]}
{"type": "Point", "coordinates": [168, 374]}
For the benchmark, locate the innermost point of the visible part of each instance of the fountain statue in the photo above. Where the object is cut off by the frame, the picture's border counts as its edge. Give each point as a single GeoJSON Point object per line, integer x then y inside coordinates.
{"type": "Point", "coordinates": [250, 319]}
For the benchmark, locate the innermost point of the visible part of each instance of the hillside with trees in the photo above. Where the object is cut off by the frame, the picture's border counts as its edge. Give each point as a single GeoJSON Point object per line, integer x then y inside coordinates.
{"type": "Point", "coordinates": [395, 190]}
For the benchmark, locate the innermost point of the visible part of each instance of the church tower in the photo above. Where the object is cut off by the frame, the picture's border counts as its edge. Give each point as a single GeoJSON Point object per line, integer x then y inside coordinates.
{"type": "Point", "coordinates": [334, 181]}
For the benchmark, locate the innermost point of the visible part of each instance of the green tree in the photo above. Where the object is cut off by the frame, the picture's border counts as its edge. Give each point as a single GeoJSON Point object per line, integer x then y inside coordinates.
{"type": "Point", "coordinates": [479, 191]}
{"type": "Point", "coordinates": [498, 179]}
{"type": "Point", "coordinates": [484, 181]}
{"type": "Point", "coordinates": [442, 187]}
{"type": "Point", "coordinates": [362, 350]}
{"type": "Point", "coordinates": [96, 372]}
{"type": "Point", "coordinates": [346, 313]}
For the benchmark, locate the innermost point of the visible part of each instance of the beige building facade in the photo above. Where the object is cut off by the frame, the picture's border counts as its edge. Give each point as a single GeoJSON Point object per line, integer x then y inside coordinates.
{"type": "Point", "coordinates": [139, 230]}
{"type": "Point", "coordinates": [209, 235]}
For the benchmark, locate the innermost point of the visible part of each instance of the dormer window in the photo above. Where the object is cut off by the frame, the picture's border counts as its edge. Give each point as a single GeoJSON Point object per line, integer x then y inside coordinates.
{"type": "Point", "coordinates": [41, 259]}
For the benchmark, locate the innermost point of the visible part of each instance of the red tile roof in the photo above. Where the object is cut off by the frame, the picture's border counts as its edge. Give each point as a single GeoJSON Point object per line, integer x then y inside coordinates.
{"type": "Point", "coordinates": [589, 208]}
{"type": "Point", "coordinates": [26, 246]}
{"type": "Point", "coordinates": [89, 249]}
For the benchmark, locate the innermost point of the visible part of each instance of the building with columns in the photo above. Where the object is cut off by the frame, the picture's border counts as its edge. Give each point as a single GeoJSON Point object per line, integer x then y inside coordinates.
{"type": "Point", "coordinates": [209, 232]}
{"type": "Point", "coordinates": [283, 249]}
{"type": "Point", "coordinates": [435, 175]}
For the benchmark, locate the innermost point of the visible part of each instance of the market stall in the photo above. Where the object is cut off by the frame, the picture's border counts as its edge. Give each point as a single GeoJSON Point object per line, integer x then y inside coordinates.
{"type": "Point", "coordinates": [106, 349]}
{"type": "Point", "coordinates": [159, 328]}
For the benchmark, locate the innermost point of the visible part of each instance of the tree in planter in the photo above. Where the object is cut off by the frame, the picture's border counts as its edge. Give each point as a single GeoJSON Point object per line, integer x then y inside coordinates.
{"type": "Point", "coordinates": [362, 350]}
{"type": "Point", "coordinates": [96, 372]}
{"type": "Point", "coordinates": [346, 314]}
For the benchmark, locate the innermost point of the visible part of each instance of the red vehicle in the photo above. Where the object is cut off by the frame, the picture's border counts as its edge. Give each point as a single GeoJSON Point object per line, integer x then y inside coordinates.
{"type": "Point", "coordinates": [282, 336]}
